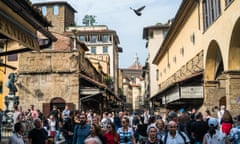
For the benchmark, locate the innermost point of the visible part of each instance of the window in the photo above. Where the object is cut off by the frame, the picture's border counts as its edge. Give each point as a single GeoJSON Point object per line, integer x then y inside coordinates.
{"type": "Point", "coordinates": [93, 50]}
{"type": "Point", "coordinates": [105, 38]}
{"type": "Point", "coordinates": [55, 10]}
{"type": "Point", "coordinates": [44, 10]}
{"type": "Point", "coordinates": [157, 73]}
{"type": "Point", "coordinates": [82, 38]}
{"type": "Point", "coordinates": [93, 39]}
{"type": "Point", "coordinates": [182, 51]}
{"type": "Point", "coordinates": [1, 87]}
{"type": "Point", "coordinates": [13, 57]}
{"type": "Point", "coordinates": [228, 2]}
{"type": "Point", "coordinates": [165, 33]}
{"type": "Point", "coordinates": [211, 11]}
{"type": "Point", "coordinates": [175, 59]}
{"type": "Point", "coordinates": [105, 49]}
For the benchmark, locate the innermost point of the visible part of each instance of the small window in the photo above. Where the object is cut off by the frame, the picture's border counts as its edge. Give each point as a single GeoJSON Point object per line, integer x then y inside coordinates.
{"type": "Point", "coordinates": [228, 2]}
{"type": "Point", "coordinates": [82, 38]}
{"type": "Point", "coordinates": [105, 49]}
{"type": "Point", "coordinates": [175, 59]}
{"type": "Point", "coordinates": [44, 10]}
{"type": "Point", "coordinates": [105, 38]}
{"type": "Point", "coordinates": [93, 39]}
{"type": "Point", "coordinates": [93, 50]}
{"type": "Point", "coordinates": [13, 57]}
{"type": "Point", "coordinates": [55, 10]}
{"type": "Point", "coordinates": [157, 73]}
{"type": "Point", "coordinates": [182, 51]}
{"type": "Point", "coordinates": [165, 33]}
{"type": "Point", "coordinates": [1, 87]}
{"type": "Point", "coordinates": [192, 38]}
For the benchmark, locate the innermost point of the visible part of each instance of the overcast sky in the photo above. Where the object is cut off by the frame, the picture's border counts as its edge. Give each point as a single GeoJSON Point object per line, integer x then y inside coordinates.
{"type": "Point", "coordinates": [116, 14]}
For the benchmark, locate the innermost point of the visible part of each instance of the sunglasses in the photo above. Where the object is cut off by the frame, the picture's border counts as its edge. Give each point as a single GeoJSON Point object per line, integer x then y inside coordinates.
{"type": "Point", "coordinates": [123, 121]}
{"type": "Point", "coordinates": [172, 126]}
{"type": "Point", "coordinates": [109, 127]}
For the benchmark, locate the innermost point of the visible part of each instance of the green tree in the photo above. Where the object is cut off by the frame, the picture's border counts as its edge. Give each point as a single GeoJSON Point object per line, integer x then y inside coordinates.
{"type": "Point", "coordinates": [89, 20]}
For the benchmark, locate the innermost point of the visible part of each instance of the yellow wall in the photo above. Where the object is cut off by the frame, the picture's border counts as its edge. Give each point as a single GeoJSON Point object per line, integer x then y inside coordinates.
{"type": "Point", "coordinates": [219, 31]}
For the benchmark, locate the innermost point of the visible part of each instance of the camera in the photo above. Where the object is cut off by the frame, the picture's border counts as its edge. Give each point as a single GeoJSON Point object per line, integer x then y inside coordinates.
{"type": "Point", "coordinates": [125, 139]}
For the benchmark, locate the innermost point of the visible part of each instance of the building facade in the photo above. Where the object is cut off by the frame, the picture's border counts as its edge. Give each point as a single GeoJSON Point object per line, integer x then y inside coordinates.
{"type": "Point", "coordinates": [133, 87]}
{"type": "Point", "coordinates": [103, 48]}
{"type": "Point", "coordinates": [60, 74]}
{"type": "Point", "coordinates": [197, 62]}
{"type": "Point", "coordinates": [154, 36]}
{"type": "Point", "coordinates": [101, 41]}
{"type": "Point", "coordinates": [19, 24]}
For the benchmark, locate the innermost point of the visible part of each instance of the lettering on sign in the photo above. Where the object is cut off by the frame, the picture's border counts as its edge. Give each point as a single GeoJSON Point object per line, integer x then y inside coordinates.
{"type": "Point", "coordinates": [192, 92]}
{"type": "Point", "coordinates": [14, 32]}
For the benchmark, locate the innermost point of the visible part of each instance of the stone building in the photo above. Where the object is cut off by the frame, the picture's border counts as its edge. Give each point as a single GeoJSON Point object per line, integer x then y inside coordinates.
{"type": "Point", "coordinates": [198, 62]}
{"type": "Point", "coordinates": [19, 24]}
{"type": "Point", "coordinates": [101, 41]}
{"type": "Point", "coordinates": [133, 87]}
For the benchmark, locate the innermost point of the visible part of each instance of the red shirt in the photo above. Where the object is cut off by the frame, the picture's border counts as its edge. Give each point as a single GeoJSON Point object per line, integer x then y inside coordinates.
{"type": "Point", "coordinates": [110, 139]}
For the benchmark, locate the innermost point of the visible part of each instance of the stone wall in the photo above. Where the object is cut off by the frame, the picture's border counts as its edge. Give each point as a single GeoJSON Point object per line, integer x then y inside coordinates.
{"type": "Point", "coordinates": [44, 76]}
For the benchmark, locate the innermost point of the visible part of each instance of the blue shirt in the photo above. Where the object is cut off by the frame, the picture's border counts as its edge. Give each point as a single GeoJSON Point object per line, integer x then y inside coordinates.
{"type": "Point", "coordinates": [80, 133]}
{"type": "Point", "coordinates": [234, 135]}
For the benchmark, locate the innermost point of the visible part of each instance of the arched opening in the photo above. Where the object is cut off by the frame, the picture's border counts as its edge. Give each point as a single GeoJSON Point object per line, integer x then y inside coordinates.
{"type": "Point", "coordinates": [234, 51]}
{"type": "Point", "coordinates": [222, 101]}
{"type": "Point", "coordinates": [214, 62]}
{"type": "Point", "coordinates": [59, 102]}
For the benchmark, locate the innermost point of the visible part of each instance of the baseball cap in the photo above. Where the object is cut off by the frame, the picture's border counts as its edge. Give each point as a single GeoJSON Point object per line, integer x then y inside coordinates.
{"type": "Point", "coordinates": [212, 122]}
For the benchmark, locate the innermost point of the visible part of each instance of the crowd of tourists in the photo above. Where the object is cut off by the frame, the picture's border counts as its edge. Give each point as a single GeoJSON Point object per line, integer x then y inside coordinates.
{"type": "Point", "coordinates": [88, 127]}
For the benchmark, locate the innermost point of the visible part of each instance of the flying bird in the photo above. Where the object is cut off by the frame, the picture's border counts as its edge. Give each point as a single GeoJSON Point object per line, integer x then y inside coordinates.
{"type": "Point", "coordinates": [138, 11]}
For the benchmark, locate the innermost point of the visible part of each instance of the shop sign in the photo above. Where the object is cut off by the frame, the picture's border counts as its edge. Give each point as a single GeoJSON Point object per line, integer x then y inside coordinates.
{"type": "Point", "coordinates": [20, 34]}
{"type": "Point", "coordinates": [192, 92]}
{"type": "Point", "coordinates": [171, 96]}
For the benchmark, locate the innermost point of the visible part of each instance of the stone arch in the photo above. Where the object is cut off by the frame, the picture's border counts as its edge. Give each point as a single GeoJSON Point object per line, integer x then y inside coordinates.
{"type": "Point", "coordinates": [59, 102]}
{"type": "Point", "coordinates": [214, 62]}
{"type": "Point", "coordinates": [234, 50]}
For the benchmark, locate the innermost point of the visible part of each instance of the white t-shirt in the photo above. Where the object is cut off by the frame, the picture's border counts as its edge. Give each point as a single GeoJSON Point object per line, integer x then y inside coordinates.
{"type": "Point", "coordinates": [217, 138]}
{"type": "Point", "coordinates": [178, 139]}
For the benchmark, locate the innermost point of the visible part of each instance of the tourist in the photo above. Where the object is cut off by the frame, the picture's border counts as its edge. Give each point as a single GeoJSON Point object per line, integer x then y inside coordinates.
{"type": "Point", "coordinates": [17, 136]}
{"type": "Point", "coordinates": [111, 136]}
{"type": "Point", "coordinates": [81, 129]}
{"type": "Point", "coordinates": [126, 133]}
{"type": "Point", "coordinates": [214, 136]}
{"type": "Point", "coordinates": [38, 135]}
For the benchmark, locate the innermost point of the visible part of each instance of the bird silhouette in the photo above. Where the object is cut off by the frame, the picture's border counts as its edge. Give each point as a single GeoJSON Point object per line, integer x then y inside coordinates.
{"type": "Point", "coordinates": [138, 11]}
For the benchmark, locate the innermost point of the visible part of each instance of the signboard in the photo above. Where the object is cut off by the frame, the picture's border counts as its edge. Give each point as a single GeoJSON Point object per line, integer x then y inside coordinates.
{"type": "Point", "coordinates": [13, 30]}
{"type": "Point", "coordinates": [189, 92]}
{"type": "Point", "coordinates": [171, 96]}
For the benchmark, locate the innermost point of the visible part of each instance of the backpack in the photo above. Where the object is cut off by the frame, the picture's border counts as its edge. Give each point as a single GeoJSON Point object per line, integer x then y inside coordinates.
{"type": "Point", "coordinates": [180, 133]}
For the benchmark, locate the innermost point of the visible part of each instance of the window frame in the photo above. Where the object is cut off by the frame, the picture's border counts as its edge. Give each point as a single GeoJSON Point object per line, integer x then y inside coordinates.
{"type": "Point", "coordinates": [93, 50]}
{"type": "Point", "coordinates": [44, 10]}
{"type": "Point", "coordinates": [105, 49]}
{"type": "Point", "coordinates": [55, 10]}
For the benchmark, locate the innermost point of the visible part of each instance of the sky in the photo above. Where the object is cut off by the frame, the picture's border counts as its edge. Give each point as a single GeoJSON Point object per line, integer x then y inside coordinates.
{"type": "Point", "coordinates": [117, 15]}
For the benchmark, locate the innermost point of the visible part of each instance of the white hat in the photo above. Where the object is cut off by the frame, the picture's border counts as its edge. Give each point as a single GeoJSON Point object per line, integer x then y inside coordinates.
{"type": "Point", "coordinates": [212, 122]}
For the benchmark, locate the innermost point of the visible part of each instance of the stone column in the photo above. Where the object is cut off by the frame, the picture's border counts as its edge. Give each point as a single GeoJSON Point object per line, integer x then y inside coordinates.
{"type": "Point", "coordinates": [212, 94]}
{"type": "Point", "coordinates": [233, 91]}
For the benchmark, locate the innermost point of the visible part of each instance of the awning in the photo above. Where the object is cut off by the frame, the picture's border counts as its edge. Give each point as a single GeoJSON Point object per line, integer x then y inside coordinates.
{"type": "Point", "coordinates": [98, 84]}
{"type": "Point", "coordinates": [175, 83]}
